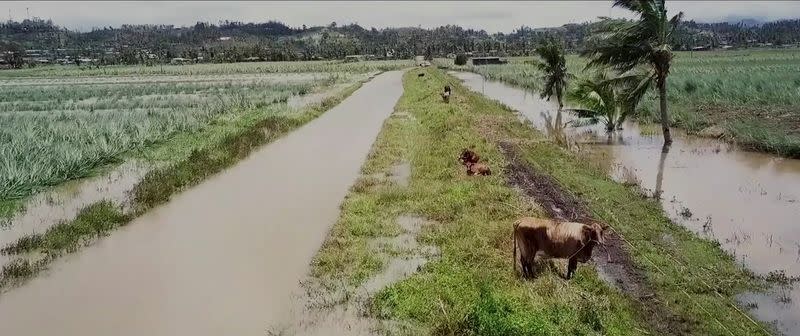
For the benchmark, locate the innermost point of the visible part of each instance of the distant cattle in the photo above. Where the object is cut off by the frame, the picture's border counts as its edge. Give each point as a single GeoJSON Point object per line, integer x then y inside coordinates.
{"type": "Point", "coordinates": [446, 94]}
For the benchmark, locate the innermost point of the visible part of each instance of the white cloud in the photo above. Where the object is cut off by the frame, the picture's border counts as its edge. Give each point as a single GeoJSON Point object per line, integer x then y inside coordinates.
{"type": "Point", "coordinates": [490, 15]}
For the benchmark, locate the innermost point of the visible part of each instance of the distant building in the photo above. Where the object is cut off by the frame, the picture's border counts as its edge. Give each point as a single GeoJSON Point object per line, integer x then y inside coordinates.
{"type": "Point", "coordinates": [224, 38]}
{"type": "Point", "coordinates": [488, 60]}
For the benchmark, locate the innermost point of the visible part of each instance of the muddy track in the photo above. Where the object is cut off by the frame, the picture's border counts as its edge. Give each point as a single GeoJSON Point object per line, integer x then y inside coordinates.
{"type": "Point", "coordinates": [612, 259]}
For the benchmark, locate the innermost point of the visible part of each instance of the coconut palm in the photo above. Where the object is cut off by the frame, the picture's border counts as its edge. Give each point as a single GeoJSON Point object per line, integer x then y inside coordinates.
{"type": "Point", "coordinates": [553, 66]}
{"type": "Point", "coordinates": [625, 45]}
{"type": "Point", "coordinates": [606, 99]}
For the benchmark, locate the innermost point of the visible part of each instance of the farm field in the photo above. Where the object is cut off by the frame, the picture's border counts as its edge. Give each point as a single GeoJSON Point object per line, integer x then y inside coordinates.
{"type": "Point", "coordinates": [411, 210]}
{"type": "Point", "coordinates": [461, 229]}
{"type": "Point", "coordinates": [63, 123]}
{"type": "Point", "coordinates": [753, 96]}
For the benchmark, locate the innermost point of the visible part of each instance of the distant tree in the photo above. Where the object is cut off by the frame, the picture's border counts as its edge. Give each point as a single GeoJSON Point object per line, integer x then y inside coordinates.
{"type": "Point", "coordinates": [13, 55]}
{"type": "Point", "coordinates": [625, 45]}
{"type": "Point", "coordinates": [553, 66]}
{"type": "Point", "coordinates": [461, 59]}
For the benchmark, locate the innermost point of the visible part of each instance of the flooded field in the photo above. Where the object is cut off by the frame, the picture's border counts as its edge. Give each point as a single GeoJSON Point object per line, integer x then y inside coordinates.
{"type": "Point", "coordinates": [747, 201]}
{"type": "Point", "coordinates": [223, 257]}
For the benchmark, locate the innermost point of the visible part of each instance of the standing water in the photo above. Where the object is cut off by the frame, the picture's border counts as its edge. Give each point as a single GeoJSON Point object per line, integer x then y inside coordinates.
{"type": "Point", "coordinates": [222, 258]}
{"type": "Point", "coordinates": [749, 202]}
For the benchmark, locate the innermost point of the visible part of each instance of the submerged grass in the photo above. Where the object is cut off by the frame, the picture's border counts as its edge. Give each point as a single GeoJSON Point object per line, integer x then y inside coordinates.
{"type": "Point", "coordinates": [220, 149]}
{"type": "Point", "coordinates": [472, 289]}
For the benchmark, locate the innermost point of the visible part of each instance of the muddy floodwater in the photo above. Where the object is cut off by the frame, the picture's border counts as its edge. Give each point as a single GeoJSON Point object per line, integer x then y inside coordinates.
{"type": "Point", "coordinates": [749, 202]}
{"type": "Point", "coordinates": [222, 258]}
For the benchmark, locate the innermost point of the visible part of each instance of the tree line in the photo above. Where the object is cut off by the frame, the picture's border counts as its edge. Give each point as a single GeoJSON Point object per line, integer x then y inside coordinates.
{"type": "Point", "coordinates": [229, 41]}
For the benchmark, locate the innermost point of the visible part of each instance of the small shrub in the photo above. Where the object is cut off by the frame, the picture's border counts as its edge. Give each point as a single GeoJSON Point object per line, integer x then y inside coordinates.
{"type": "Point", "coordinates": [690, 87]}
{"type": "Point", "coordinates": [461, 59]}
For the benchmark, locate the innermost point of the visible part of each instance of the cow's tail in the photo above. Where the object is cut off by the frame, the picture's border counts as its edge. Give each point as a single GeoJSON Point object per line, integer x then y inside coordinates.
{"type": "Point", "coordinates": [514, 241]}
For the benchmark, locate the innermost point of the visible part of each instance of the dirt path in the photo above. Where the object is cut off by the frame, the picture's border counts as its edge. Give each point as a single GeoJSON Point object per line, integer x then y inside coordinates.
{"type": "Point", "coordinates": [221, 258]}
{"type": "Point", "coordinates": [612, 260]}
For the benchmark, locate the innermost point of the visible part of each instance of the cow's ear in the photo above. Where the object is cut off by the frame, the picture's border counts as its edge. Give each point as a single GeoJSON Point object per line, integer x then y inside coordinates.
{"type": "Point", "coordinates": [599, 231]}
{"type": "Point", "coordinates": [587, 234]}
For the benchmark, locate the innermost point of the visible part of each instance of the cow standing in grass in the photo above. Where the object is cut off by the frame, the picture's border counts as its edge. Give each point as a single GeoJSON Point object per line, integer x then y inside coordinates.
{"type": "Point", "coordinates": [565, 240]}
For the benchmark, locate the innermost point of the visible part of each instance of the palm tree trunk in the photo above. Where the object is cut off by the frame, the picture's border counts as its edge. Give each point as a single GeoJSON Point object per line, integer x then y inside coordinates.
{"type": "Point", "coordinates": [660, 175]}
{"type": "Point", "coordinates": [662, 93]}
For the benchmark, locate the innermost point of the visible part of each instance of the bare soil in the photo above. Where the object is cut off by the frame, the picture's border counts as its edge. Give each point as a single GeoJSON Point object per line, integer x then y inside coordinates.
{"type": "Point", "coordinates": [613, 260]}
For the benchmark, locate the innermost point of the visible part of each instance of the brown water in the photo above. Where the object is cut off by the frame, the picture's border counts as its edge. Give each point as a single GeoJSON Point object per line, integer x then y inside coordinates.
{"type": "Point", "coordinates": [222, 258]}
{"type": "Point", "coordinates": [63, 202]}
{"type": "Point", "coordinates": [749, 202]}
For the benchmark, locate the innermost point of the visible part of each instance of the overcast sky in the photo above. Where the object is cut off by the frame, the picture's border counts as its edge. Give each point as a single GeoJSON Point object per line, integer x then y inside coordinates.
{"type": "Point", "coordinates": [490, 15]}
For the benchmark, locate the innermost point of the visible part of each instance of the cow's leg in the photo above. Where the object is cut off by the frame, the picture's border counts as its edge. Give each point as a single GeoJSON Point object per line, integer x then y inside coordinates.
{"type": "Point", "coordinates": [573, 264]}
{"type": "Point", "coordinates": [531, 261]}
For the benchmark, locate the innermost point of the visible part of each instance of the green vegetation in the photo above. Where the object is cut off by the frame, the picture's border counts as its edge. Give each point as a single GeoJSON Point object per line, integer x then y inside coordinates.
{"type": "Point", "coordinates": [195, 156]}
{"type": "Point", "coordinates": [471, 288]}
{"type": "Point", "coordinates": [604, 99]}
{"type": "Point", "coordinates": [752, 95]}
{"type": "Point", "coordinates": [66, 128]}
{"type": "Point", "coordinates": [553, 66]}
{"type": "Point", "coordinates": [210, 69]}
{"type": "Point", "coordinates": [646, 42]}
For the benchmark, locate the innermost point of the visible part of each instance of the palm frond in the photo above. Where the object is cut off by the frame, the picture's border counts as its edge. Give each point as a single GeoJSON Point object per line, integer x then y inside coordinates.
{"type": "Point", "coordinates": [582, 122]}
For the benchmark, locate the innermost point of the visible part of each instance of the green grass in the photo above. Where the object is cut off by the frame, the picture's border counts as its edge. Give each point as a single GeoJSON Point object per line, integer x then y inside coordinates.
{"type": "Point", "coordinates": [210, 69]}
{"type": "Point", "coordinates": [56, 136]}
{"type": "Point", "coordinates": [471, 288]}
{"type": "Point", "coordinates": [753, 94]}
{"type": "Point", "coordinates": [196, 156]}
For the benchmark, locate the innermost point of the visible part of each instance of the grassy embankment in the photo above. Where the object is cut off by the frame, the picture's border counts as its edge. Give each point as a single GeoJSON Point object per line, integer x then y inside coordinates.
{"type": "Point", "coordinates": [752, 96]}
{"type": "Point", "coordinates": [192, 157]}
{"type": "Point", "coordinates": [470, 288]}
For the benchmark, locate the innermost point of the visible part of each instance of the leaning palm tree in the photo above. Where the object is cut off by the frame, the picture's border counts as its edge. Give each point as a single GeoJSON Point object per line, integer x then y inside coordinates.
{"type": "Point", "coordinates": [625, 45]}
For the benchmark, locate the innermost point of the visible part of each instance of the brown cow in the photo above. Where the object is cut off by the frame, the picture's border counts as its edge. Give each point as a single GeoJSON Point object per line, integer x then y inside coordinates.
{"type": "Point", "coordinates": [446, 94]}
{"type": "Point", "coordinates": [565, 240]}
{"type": "Point", "coordinates": [478, 169]}
{"type": "Point", "coordinates": [468, 156]}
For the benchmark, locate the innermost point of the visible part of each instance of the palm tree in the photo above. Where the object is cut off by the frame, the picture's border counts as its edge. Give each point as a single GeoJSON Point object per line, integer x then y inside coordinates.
{"type": "Point", "coordinates": [600, 99]}
{"type": "Point", "coordinates": [553, 66]}
{"type": "Point", "coordinates": [625, 45]}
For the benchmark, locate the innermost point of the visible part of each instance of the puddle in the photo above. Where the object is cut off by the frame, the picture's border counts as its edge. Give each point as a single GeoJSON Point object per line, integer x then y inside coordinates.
{"type": "Point", "coordinates": [63, 202]}
{"type": "Point", "coordinates": [747, 201]}
{"type": "Point", "coordinates": [401, 173]}
{"type": "Point", "coordinates": [774, 307]}
{"type": "Point", "coordinates": [220, 258]}
{"type": "Point", "coordinates": [322, 313]}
